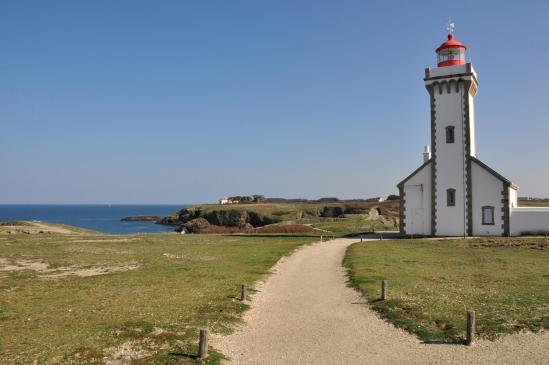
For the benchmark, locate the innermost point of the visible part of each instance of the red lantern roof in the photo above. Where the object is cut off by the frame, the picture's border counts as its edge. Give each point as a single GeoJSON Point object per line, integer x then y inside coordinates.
{"type": "Point", "coordinates": [451, 43]}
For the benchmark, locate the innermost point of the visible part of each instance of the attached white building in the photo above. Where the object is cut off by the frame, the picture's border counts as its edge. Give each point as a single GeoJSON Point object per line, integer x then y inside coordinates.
{"type": "Point", "coordinates": [453, 193]}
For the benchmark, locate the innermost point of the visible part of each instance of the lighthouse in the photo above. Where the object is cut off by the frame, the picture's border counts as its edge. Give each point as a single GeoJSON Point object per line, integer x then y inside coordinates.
{"type": "Point", "coordinates": [452, 87]}
{"type": "Point", "coordinates": [453, 193]}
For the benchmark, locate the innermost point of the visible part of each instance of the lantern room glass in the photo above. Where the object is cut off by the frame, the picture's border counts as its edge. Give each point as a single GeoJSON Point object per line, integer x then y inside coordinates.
{"type": "Point", "coordinates": [452, 54]}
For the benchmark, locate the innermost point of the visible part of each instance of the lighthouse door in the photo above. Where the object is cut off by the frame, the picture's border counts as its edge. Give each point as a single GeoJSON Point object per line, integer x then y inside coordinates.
{"type": "Point", "coordinates": [419, 221]}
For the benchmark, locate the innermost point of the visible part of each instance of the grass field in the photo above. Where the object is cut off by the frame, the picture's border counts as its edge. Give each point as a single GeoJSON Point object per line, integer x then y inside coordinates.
{"type": "Point", "coordinates": [86, 298]}
{"type": "Point", "coordinates": [355, 223]}
{"type": "Point", "coordinates": [433, 283]}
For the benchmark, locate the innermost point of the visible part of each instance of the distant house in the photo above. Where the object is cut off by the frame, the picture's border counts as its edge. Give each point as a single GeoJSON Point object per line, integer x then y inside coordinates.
{"type": "Point", "coordinates": [224, 200]}
{"type": "Point", "coordinates": [376, 200]}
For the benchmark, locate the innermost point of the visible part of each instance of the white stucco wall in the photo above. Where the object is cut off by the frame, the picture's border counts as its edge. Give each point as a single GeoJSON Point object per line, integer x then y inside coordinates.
{"type": "Point", "coordinates": [450, 167]}
{"type": "Point", "coordinates": [487, 191]}
{"type": "Point", "coordinates": [529, 220]}
{"type": "Point", "coordinates": [472, 125]}
{"type": "Point", "coordinates": [417, 206]}
{"type": "Point", "coordinates": [513, 198]}
{"type": "Point", "coordinates": [449, 162]}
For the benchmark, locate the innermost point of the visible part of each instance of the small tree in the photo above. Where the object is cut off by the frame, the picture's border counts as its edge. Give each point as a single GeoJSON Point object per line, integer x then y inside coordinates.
{"type": "Point", "coordinates": [258, 198]}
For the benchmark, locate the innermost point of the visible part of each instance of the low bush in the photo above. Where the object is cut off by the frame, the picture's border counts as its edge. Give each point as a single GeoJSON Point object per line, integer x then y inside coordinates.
{"type": "Point", "coordinates": [196, 225]}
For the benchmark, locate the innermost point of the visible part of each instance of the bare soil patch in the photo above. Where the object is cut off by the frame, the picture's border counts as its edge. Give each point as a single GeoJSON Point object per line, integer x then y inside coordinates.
{"type": "Point", "coordinates": [191, 257]}
{"type": "Point", "coordinates": [46, 272]}
{"type": "Point", "coordinates": [106, 240]}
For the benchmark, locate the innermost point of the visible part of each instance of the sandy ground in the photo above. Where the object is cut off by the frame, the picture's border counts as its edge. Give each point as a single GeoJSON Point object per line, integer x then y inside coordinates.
{"type": "Point", "coordinates": [36, 228]}
{"type": "Point", "coordinates": [305, 314]}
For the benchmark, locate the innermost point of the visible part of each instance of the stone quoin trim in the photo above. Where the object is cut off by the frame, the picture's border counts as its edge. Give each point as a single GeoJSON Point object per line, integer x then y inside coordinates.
{"type": "Point", "coordinates": [505, 209]}
{"type": "Point", "coordinates": [431, 90]}
{"type": "Point", "coordinates": [468, 194]}
{"type": "Point", "coordinates": [402, 211]}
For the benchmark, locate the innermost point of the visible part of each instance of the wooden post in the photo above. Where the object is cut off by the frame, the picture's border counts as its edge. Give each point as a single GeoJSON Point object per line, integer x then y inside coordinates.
{"type": "Point", "coordinates": [243, 292]}
{"type": "Point", "coordinates": [360, 238]}
{"type": "Point", "coordinates": [203, 344]}
{"type": "Point", "coordinates": [320, 238]}
{"type": "Point", "coordinates": [471, 327]}
{"type": "Point", "coordinates": [383, 289]}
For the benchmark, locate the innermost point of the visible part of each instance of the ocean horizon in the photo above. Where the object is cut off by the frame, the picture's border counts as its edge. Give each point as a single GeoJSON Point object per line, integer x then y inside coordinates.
{"type": "Point", "coordinates": [105, 218]}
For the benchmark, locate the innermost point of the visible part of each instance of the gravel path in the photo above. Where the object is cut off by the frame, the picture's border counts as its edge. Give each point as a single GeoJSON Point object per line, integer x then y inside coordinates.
{"type": "Point", "coordinates": [305, 314]}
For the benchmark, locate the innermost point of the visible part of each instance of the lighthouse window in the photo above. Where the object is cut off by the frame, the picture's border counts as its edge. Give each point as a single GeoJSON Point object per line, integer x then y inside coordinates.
{"type": "Point", "coordinates": [450, 135]}
{"type": "Point", "coordinates": [451, 197]}
{"type": "Point", "coordinates": [488, 215]}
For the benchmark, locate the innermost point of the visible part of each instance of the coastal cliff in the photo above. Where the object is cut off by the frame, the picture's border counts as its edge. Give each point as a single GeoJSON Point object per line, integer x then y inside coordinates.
{"type": "Point", "coordinates": [201, 218]}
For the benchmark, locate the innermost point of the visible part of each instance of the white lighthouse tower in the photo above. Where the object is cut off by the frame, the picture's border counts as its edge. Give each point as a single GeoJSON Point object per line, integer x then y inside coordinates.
{"type": "Point", "coordinates": [453, 193]}
{"type": "Point", "coordinates": [452, 86]}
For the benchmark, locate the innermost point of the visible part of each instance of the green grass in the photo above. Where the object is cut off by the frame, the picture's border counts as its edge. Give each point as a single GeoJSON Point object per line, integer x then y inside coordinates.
{"type": "Point", "coordinates": [355, 223]}
{"type": "Point", "coordinates": [183, 282]}
{"type": "Point", "coordinates": [433, 283]}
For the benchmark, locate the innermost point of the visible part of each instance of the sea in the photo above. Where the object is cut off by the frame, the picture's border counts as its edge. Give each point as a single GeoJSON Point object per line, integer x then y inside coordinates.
{"type": "Point", "coordinates": [103, 218]}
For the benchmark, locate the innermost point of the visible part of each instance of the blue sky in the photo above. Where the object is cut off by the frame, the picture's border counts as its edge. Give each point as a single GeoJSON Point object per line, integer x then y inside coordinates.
{"type": "Point", "coordinates": [185, 101]}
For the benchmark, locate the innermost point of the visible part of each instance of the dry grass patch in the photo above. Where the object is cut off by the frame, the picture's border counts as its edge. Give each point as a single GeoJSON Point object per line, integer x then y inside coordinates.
{"type": "Point", "coordinates": [44, 270]}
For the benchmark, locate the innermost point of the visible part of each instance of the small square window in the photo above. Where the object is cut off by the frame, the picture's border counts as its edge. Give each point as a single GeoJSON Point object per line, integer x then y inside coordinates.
{"type": "Point", "coordinates": [488, 216]}
{"type": "Point", "coordinates": [451, 197]}
{"type": "Point", "coordinates": [450, 134]}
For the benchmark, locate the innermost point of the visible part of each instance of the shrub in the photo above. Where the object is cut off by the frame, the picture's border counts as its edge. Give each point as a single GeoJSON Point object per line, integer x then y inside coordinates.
{"type": "Point", "coordinates": [196, 225]}
{"type": "Point", "coordinates": [332, 212]}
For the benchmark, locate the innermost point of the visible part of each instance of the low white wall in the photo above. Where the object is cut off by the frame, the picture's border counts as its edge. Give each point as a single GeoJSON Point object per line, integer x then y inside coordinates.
{"type": "Point", "coordinates": [529, 220]}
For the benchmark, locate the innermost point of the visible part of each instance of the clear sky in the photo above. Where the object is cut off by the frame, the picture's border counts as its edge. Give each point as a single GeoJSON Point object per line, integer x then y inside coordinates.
{"type": "Point", "coordinates": [184, 101]}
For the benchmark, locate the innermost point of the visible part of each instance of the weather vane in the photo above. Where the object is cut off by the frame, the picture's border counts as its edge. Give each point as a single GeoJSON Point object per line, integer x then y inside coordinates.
{"type": "Point", "coordinates": [450, 26]}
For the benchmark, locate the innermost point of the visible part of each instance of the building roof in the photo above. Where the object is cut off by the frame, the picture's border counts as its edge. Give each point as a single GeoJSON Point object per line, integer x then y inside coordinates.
{"type": "Point", "coordinates": [475, 160]}
{"type": "Point", "coordinates": [451, 43]}
{"type": "Point", "coordinates": [401, 184]}
{"type": "Point", "coordinates": [494, 172]}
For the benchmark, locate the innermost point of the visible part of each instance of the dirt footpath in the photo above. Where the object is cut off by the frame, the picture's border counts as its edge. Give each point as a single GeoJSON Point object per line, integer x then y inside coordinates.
{"type": "Point", "coordinates": [305, 314]}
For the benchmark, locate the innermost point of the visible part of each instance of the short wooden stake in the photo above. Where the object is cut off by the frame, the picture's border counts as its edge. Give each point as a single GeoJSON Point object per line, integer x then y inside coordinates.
{"type": "Point", "coordinates": [383, 289]}
{"type": "Point", "coordinates": [471, 327]}
{"type": "Point", "coordinates": [360, 238]}
{"type": "Point", "coordinates": [203, 344]}
{"type": "Point", "coordinates": [320, 238]}
{"type": "Point", "coordinates": [243, 292]}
